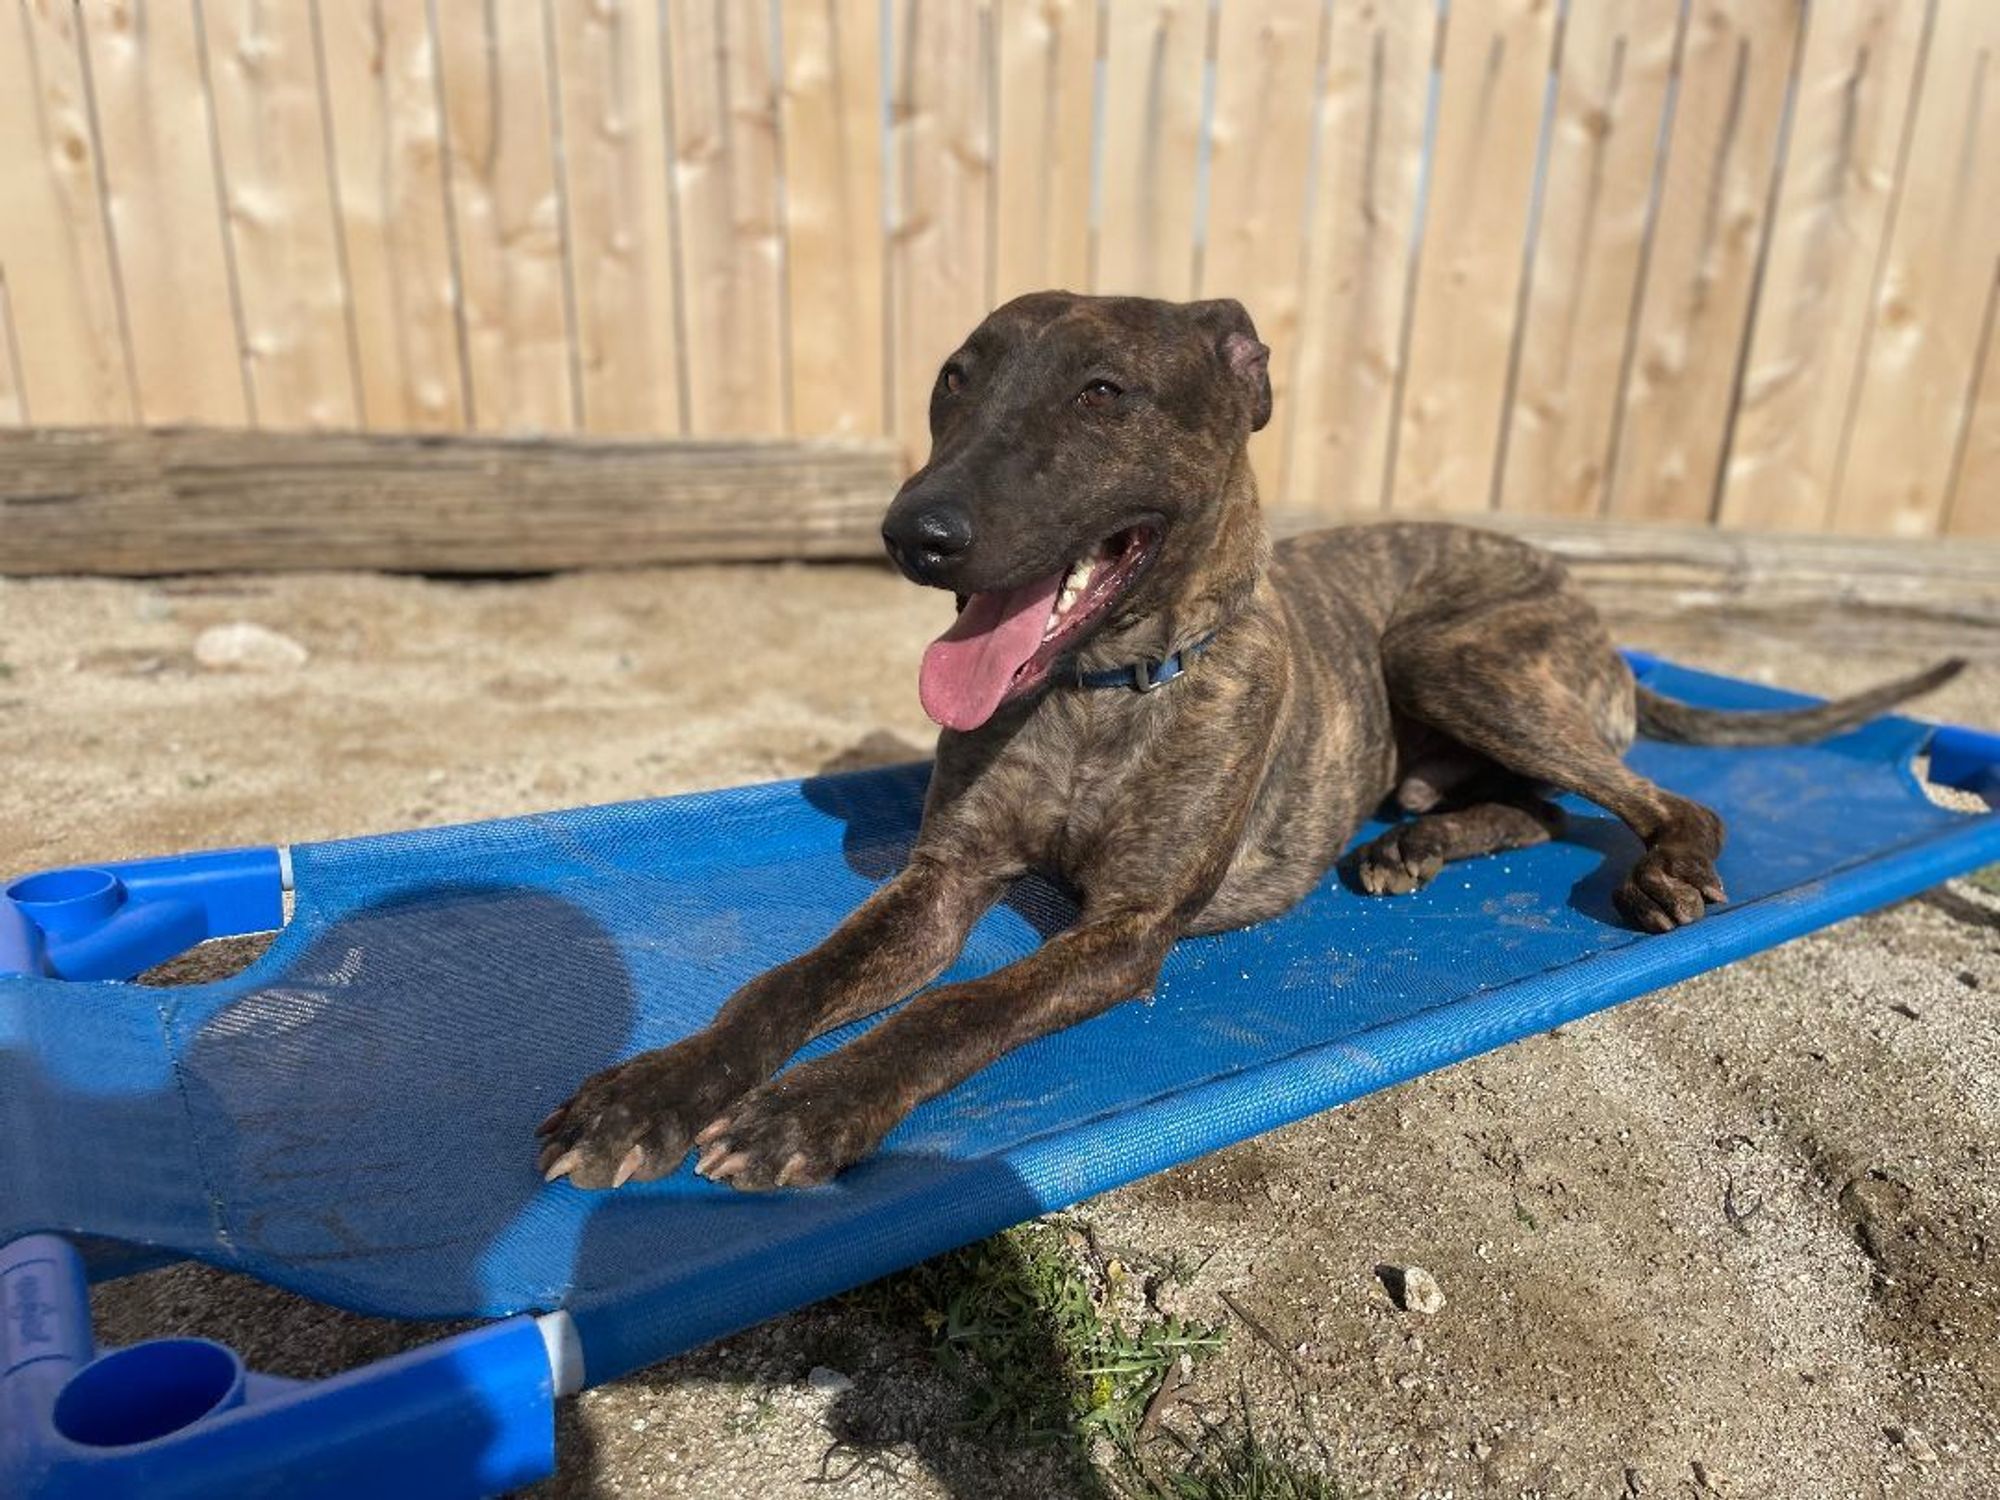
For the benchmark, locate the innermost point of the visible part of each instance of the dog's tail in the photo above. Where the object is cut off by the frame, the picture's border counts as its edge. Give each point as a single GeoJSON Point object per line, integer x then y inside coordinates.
{"type": "Point", "coordinates": [1684, 724]}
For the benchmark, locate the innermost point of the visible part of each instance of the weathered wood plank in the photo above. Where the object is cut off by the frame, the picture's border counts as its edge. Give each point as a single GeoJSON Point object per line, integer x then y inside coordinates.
{"type": "Point", "coordinates": [1260, 145]}
{"type": "Point", "coordinates": [1583, 284]}
{"type": "Point", "coordinates": [614, 132]}
{"type": "Point", "coordinates": [507, 208]}
{"type": "Point", "coordinates": [1654, 568]}
{"type": "Point", "coordinates": [155, 136]}
{"type": "Point", "coordinates": [1491, 99]}
{"type": "Point", "coordinates": [1714, 209]}
{"type": "Point", "coordinates": [13, 410]}
{"type": "Point", "coordinates": [1155, 52]}
{"type": "Point", "coordinates": [388, 161]}
{"type": "Point", "coordinates": [943, 149]}
{"type": "Point", "coordinates": [725, 128]}
{"type": "Point", "coordinates": [1047, 93]}
{"type": "Point", "coordinates": [270, 136]}
{"type": "Point", "coordinates": [1371, 149]}
{"type": "Point", "coordinates": [53, 246]}
{"type": "Point", "coordinates": [135, 501]}
{"type": "Point", "coordinates": [835, 251]}
{"type": "Point", "coordinates": [1847, 138]}
{"type": "Point", "coordinates": [1923, 347]}
{"type": "Point", "coordinates": [1973, 506]}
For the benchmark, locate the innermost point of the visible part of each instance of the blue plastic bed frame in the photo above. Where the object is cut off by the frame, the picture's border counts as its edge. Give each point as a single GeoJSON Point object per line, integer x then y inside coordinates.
{"type": "Point", "coordinates": [431, 994]}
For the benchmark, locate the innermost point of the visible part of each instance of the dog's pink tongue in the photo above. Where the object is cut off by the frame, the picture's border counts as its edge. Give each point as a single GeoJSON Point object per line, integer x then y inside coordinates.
{"type": "Point", "coordinates": [969, 668]}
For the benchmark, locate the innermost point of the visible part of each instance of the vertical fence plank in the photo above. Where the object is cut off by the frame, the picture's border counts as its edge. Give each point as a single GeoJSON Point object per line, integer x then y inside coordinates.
{"type": "Point", "coordinates": [833, 214]}
{"type": "Point", "coordinates": [380, 71]}
{"type": "Point", "coordinates": [1266, 61]}
{"type": "Point", "coordinates": [1972, 507]}
{"type": "Point", "coordinates": [1846, 141]}
{"type": "Point", "coordinates": [1973, 504]}
{"type": "Point", "coordinates": [613, 121]}
{"type": "Point", "coordinates": [1370, 163]}
{"type": "Point", "coordinates": [269, 128]}
{"type": "Point", "coordinates": [942, 148]}
{"type": "Point", "coordinates": [53, 250]}
{"type": "Point", "coordinates": [725, 127]}
{"type": "Point", "coordinates": [508, 215]}
{"type": "Point", "coordinates": [1047, 97]}
{"type": "Point", "coordinates": [1603, 156]}
{"type": "Point", "coordinates": [1493, 84]}
{"type": "Point", "coordinates": [1714, 207]}
{"type": "Point", "coordinates": [166, 210]}
{"type": "Point", "coordinates": [1155, 52]}
{"type": "Point", "coordinates": [13, 405]}
{"type": "Point", "coordinates": [1923, 344]}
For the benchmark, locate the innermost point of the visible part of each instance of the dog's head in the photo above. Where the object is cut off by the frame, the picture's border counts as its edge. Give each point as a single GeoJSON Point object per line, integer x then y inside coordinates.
{"type": "Point", "coordinates": [1072, 439]}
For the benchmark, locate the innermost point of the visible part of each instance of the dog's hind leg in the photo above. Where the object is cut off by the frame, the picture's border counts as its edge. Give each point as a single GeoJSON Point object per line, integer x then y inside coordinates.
{"type": "Point", "coordinates": [1530, 685]}
{"type": "Point", "coordinates": [1409, 855]}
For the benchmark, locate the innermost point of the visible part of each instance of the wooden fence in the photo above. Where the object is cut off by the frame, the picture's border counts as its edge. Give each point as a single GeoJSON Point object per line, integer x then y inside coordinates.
{"type": "Point", "coordinates": [1721, 260]}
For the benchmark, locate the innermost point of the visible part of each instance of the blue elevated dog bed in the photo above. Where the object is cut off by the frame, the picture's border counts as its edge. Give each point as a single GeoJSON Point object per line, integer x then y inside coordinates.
{"type": "Point", "coordinates": [353, 1117]}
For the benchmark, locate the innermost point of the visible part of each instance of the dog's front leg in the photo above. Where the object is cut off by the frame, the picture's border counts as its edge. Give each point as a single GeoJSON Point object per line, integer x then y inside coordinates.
{"type": "Point", "coordinates": [637, 1118]}
{"type": "Point", "coordinates": [821, 1116]}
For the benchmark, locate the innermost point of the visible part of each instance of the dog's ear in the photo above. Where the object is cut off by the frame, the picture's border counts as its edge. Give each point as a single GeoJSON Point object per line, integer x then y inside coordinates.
{"type": "Point", "coordinates": [1248, 360]}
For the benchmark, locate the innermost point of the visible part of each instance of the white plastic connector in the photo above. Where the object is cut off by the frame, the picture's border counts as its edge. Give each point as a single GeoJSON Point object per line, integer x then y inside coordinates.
{"type": "Point", "coordinates": [565, 1351]}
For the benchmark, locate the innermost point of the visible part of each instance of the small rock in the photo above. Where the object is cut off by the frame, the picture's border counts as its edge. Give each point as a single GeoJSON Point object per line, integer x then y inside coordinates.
{"type": "Point", "coordinates": [1912, 1443]}
{"type": "Point", "coordinates": [827, 1382]}
{"type": "Point", "coordinates": [1969, 979]}
{"type": "Point", "coordinates": [1412, 1288]}
{"type": "Point", "coordinates": [244, 646]}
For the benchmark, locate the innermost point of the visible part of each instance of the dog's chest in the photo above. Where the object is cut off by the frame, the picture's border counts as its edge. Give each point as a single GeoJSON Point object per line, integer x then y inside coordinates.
{"type": "Point", "coordinates": [1069, 776]}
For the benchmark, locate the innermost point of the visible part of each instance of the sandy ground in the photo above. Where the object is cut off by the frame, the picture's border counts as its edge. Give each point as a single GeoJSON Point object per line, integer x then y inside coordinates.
{"type": "Point", "coordinates": [1741, 1238]}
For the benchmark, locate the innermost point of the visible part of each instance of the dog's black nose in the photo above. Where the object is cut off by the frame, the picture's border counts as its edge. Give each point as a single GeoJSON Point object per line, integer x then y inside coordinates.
{"type": "Point", "coordinates": [943, 529]}
{"type": "Point", "coordinates": [923, 541]}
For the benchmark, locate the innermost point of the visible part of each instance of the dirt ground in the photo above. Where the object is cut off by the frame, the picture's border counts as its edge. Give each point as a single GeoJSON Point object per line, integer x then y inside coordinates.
{"type": "Point", "coordinates": [1741, 1238]}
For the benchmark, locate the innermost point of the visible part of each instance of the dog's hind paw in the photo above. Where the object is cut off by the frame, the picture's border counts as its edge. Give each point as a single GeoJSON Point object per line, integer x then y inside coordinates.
{"type": "Point", "coordinates": [1397, 862]}
{"type": "Point", "coordinates": [1667, 889]}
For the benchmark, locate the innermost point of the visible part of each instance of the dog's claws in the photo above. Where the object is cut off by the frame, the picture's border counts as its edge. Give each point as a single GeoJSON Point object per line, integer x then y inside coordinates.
{"type": "Point", "coordinates": [555, 1118]}
{"type": "Point", "coordinates": [633, 1160]}
{"type": "Point", "coordinates": [705, 1167]}
{"type": "Point", "coordinates": [730, 1165]}
{"type": "Point", "coordinates": [711, 1130]}
{"type": "Point", "coordinates": [563, 1165]}
{"type": "Point", "coordinates": [793, 1171]}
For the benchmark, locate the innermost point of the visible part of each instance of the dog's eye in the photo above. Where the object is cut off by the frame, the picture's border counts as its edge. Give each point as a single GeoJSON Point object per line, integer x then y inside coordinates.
{"type": "Point", "coordinates": [951, 380]}
{"type": "Point", "coordinates": [1098, 395]}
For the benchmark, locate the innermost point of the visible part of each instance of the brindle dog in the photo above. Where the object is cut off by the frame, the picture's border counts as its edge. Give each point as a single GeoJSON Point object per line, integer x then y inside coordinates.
{"type": "Point", "coordinates": [1089, 500]}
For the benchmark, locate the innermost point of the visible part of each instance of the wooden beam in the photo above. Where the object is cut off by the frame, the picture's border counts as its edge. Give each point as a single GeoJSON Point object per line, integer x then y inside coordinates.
{"type": "Point", "coordinates": [196, 500]}
{"type": "Point", "coordinates": [1642, 570]}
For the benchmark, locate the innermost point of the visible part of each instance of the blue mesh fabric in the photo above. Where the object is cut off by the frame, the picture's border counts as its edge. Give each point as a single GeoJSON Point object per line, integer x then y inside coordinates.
{"type": "Point", "coordinates": [353, 1118]}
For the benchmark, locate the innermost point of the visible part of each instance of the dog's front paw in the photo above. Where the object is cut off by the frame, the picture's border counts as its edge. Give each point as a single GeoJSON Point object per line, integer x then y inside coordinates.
{"type": "Point", "coordinates": [1668, 889]}
{"type": "Point", "coordinates": [798, 1130]}
{"type": "Point", "coordinates": [1402, 860]}
{"type": "Point", "coordinates": [636, 1120]}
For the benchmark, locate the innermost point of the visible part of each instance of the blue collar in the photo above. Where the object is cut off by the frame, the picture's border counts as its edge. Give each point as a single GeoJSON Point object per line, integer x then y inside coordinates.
{"type": "Point", "coordinates": [1143, 677]}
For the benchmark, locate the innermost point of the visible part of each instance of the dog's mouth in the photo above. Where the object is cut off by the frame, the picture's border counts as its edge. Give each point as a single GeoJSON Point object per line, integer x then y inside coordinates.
{"type": "Point", "coordinates": [1005, 640]}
